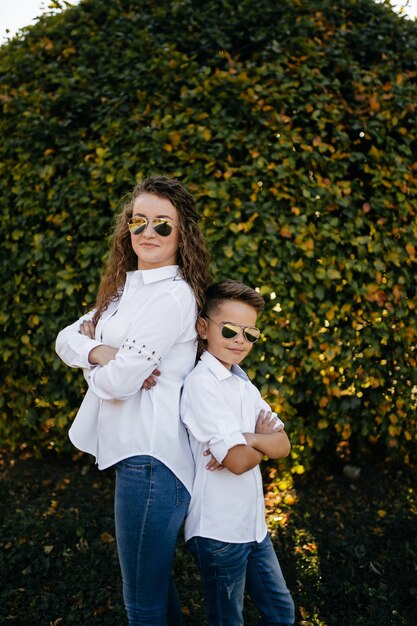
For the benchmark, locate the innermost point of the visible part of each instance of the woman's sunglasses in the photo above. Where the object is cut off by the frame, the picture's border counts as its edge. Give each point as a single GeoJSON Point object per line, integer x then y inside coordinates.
{"type": "Point", "coordinates": [229, 330]}
{"type": "Point", "coordinates": [162, 225]}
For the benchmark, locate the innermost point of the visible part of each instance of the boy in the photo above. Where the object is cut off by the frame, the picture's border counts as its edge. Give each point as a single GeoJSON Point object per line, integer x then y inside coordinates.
{"type": "Point", "coordinates": [227, 420]}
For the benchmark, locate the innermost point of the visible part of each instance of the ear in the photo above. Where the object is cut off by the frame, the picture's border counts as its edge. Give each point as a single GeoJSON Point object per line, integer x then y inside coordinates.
{"type": "Point", "coordinates": [201, 326]}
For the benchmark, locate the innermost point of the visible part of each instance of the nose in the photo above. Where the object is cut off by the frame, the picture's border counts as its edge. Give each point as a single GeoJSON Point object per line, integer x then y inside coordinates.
{"type": "Point", "coordinates": [239, 337]}
{"type": "Point", "coordinates": [149, 230]}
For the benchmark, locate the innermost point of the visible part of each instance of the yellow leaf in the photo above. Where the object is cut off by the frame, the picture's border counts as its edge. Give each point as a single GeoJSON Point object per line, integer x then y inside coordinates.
{"type": "Point", "coordinates": [207, 134]}
{"type": "Point", "coordinates": [333, 274]}
{"type": "Point", "coordinates": [411, 251]}
{"type": "Point", "coordinates": [289, 499]}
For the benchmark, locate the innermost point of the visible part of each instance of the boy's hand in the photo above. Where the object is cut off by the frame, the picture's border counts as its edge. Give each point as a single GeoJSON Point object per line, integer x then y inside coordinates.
{"type": "Point", "coordinates": [265, 425]}
{"type": "Point", "coordinates": [213, 464]}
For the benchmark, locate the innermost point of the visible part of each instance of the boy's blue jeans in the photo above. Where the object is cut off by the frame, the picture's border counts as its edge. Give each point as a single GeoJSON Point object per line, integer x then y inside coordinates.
{"type": "Point", "coordinates": [150, 507]}
{"type": "Point", "coordinates": [227, 568]}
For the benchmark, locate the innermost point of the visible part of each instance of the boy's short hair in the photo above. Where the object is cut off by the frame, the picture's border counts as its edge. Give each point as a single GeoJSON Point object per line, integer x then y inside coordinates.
{"type": "Point", "coordinates": [231, 290]}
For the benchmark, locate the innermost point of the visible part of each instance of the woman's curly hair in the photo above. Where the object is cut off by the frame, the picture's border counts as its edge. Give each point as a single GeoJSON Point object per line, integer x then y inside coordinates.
{"type": "Point", "coordinates": [193, 257]}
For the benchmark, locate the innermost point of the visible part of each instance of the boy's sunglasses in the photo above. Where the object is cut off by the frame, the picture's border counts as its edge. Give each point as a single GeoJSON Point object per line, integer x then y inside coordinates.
{"type": "Point", "coordinates": [162, 225]}
{"type": "Point", "coordinates": [229, 330]}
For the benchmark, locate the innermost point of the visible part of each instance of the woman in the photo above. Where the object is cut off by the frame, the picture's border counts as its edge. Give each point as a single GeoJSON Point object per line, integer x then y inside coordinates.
{"type": "Point", "coordinates": [143, 325]}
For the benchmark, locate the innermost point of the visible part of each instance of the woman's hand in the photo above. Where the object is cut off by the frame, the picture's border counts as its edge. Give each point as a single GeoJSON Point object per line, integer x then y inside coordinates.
{"type": "Point", "coordinates": [265, 425]}
{"type": "Point", "coordinates": [150, 382]}
{"type": "Point", "coordinates": [101, 355]}
{"type": "Point", "coordinates": [88, 329]}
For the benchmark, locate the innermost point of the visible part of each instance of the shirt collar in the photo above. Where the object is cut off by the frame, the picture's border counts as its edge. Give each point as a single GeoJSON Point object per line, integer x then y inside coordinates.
{"type": "Point", "coordinates": [157, 274]}
{"type": "Point", "coordinates": [220, 371]}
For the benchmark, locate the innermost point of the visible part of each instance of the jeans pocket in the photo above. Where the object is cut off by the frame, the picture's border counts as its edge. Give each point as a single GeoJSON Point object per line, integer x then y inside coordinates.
{"type": "Point", "coordinates": [138, 463]}
{"type": "Point", "coordinates": [219, 548]}
{"type": "Point", "coordinates": [183, 497]}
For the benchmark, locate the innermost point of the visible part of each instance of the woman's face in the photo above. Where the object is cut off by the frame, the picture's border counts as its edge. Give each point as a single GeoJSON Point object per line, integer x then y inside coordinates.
{"type": "Point", "coordinates": [154, 250]}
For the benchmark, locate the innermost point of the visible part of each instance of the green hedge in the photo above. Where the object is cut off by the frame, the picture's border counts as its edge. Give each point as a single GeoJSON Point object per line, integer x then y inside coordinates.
{"type": "Point", "coordinates": [294, 124]}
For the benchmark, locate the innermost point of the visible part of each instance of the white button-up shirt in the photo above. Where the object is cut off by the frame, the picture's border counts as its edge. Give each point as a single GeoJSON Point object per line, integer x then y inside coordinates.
{"type": "Point", "coordinates": [153, 325]}
{"type": "Point", "coordinates": [217, 406]}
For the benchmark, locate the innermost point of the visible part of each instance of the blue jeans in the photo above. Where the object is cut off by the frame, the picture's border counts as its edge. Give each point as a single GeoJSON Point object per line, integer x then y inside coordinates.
{"type": "Point", "coordinates": [150, 507]}
{"type": "Point", "coordinates": [227, 568]}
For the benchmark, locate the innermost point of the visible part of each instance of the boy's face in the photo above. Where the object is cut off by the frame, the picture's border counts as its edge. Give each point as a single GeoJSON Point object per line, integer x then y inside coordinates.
{"type": "Point", "coordinates": [228, 351]}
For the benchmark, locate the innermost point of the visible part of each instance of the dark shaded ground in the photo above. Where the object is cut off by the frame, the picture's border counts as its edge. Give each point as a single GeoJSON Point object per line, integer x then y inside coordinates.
{"type": "Point", "coordinates": [348, 549]}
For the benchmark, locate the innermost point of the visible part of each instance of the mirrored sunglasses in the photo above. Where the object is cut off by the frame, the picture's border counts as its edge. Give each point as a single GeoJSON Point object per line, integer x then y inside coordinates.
{"type": "Point", "coordinates": [229, 330]}
{"type": "Point", "coordinates": [162, 225]}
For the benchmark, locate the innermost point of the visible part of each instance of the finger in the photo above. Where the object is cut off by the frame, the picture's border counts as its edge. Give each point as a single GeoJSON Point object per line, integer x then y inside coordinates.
{"type": "Point", "coordinates": [156, 373]}
{"type": "Point", "coordinates": [267, 416]}
{"type": "Point", "coordinates": [206, 452]}
{"type": "Point", "coordinates": [213, 465]}
{"type": "Point", "coordinates": [260, 420]}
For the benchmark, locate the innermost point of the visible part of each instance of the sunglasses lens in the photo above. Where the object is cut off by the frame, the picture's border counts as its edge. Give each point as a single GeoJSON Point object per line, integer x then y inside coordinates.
{"type": "Point", "coordinates": [163, 228]}
{"type": "Point", "coordinates": [252, 334]}
{"type": "Point", "coordinates": [229, 331]}
{"type": "Point", "coordinates": [137, 225]}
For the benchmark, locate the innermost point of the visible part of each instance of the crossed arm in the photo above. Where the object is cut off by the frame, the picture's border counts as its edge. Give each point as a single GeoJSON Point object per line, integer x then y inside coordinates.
{"type": "Point", "coordinates": [103, 354]}
{"type": "Point", "coordinates": [266, 440]}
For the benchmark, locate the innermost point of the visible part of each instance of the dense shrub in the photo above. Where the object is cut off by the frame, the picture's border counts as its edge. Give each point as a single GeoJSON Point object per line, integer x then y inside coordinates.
{"type": "Point", "coordinates": [294, 124]}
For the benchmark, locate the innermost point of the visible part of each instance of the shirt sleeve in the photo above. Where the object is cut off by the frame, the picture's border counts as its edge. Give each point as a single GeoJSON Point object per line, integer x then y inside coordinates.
{"type": "Point", "coordinates": [207, 418]}
{"type": "Point", "coordinates": [74, 348]}
{"type": "Point", "coordinates": [149, 340]}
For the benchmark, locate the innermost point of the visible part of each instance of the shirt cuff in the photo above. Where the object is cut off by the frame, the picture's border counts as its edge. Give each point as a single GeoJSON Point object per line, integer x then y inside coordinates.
{"type": "Point", "coordinates": [278, 421]}
{"type": "Point", "coordinates": [220, 449]}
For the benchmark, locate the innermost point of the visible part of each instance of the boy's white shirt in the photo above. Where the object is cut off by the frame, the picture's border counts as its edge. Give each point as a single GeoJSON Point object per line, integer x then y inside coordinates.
{"type": "Point", "coordinates": [217, 406]}
{"type": "Point", "coordinates": [153, 325]}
